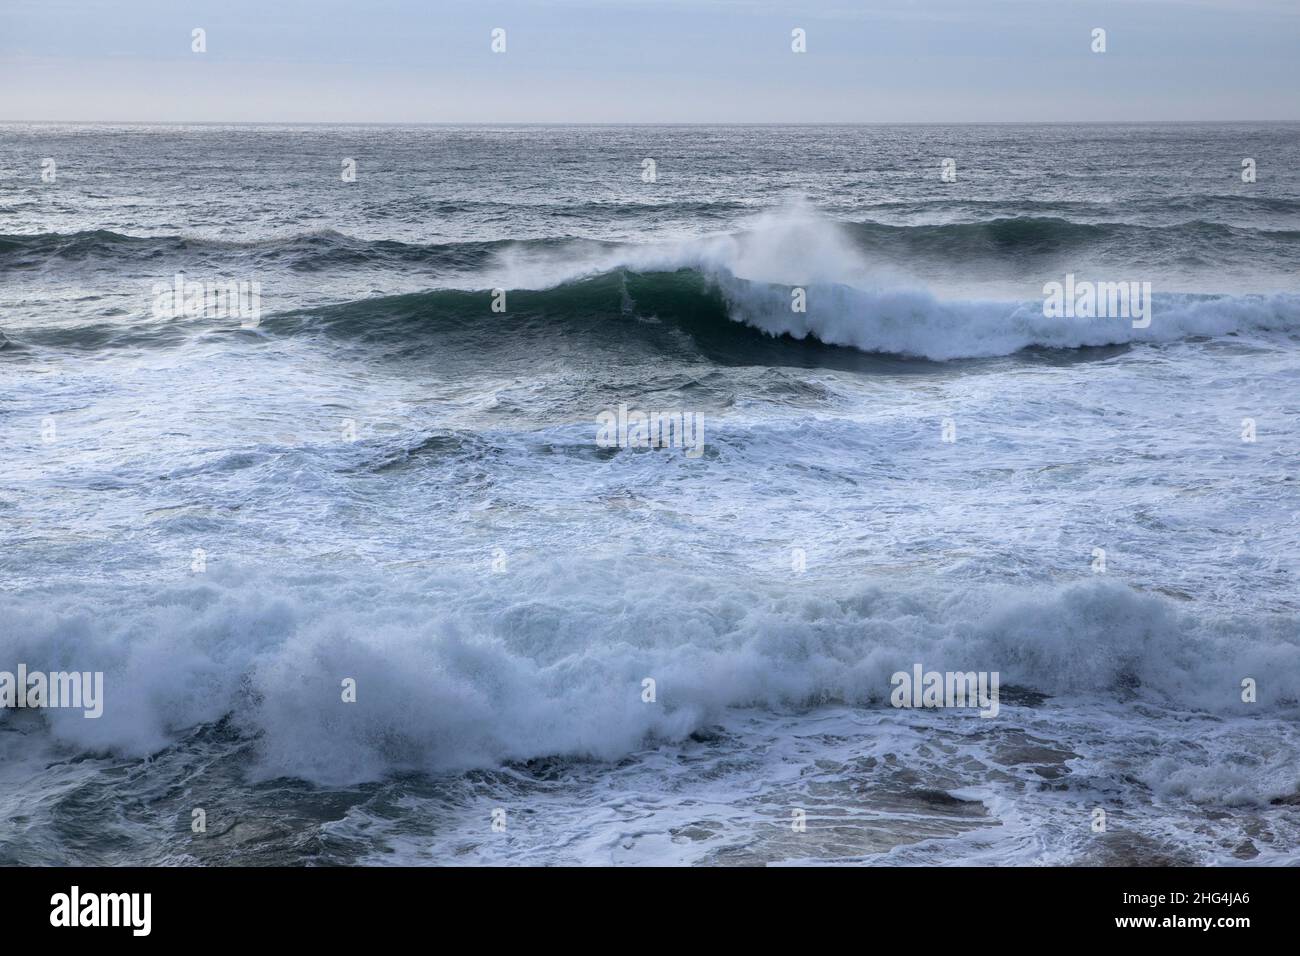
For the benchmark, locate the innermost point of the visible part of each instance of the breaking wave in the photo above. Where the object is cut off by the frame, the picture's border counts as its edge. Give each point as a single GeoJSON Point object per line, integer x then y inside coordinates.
{"type": "Point", "coordinates": [451, 674]}
{"type": "Point", "coordinates": [718, 289]}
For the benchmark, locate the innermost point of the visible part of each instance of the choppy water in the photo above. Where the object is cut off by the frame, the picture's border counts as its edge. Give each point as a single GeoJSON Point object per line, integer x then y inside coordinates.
{"type": "Point", "coordinates": [390, 482]}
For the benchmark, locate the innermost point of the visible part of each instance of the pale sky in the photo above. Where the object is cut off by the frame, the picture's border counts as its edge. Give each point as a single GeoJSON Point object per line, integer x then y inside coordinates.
{"type": "Point", "coordinates": [628, 61]}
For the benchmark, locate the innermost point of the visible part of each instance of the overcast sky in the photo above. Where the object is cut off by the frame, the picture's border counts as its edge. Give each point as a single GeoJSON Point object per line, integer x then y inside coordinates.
{"type": "Point", "coordinates": [649, 60]}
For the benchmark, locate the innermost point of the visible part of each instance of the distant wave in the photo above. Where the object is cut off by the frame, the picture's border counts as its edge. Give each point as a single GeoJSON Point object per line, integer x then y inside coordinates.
{"type": "Point", "coordinates": [310, 251]}
{"type": "Point", "coordinates": [998, 236]}
{"type": "Point", "coordinates": [1051, 234]}
{"type": "Point", "coordinates": [1128, 211]}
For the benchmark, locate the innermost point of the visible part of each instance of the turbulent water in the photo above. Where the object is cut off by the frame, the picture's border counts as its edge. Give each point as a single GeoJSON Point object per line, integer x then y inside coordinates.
{"type": "Point", "coordinates": [385, 480]}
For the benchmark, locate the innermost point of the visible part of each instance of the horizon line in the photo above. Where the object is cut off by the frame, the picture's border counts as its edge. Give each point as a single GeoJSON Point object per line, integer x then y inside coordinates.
{"type": "Point", "coordinates": [1026, 122]}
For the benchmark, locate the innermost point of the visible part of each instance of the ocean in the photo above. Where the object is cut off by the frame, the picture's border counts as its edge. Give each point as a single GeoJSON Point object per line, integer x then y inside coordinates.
{"type": "Point", "coordinates": [325, 446]}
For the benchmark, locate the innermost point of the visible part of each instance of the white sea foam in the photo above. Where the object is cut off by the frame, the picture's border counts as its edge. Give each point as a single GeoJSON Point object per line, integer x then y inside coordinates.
{"type": "Point", "coordinates": [454, 674]}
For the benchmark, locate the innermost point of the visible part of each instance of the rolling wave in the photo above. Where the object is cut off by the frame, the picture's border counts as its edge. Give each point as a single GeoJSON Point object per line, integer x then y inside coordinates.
{"type": "Point", "coordinates": [724, 317]}
{"type": "Point", "coordinates": [690, 313]}
{"type": "Point", "coordinates": [792, 276]}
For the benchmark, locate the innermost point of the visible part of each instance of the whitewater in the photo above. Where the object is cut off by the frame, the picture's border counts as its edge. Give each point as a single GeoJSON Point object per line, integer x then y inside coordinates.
{"type": "Point", "coordinates": [387, 482]}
